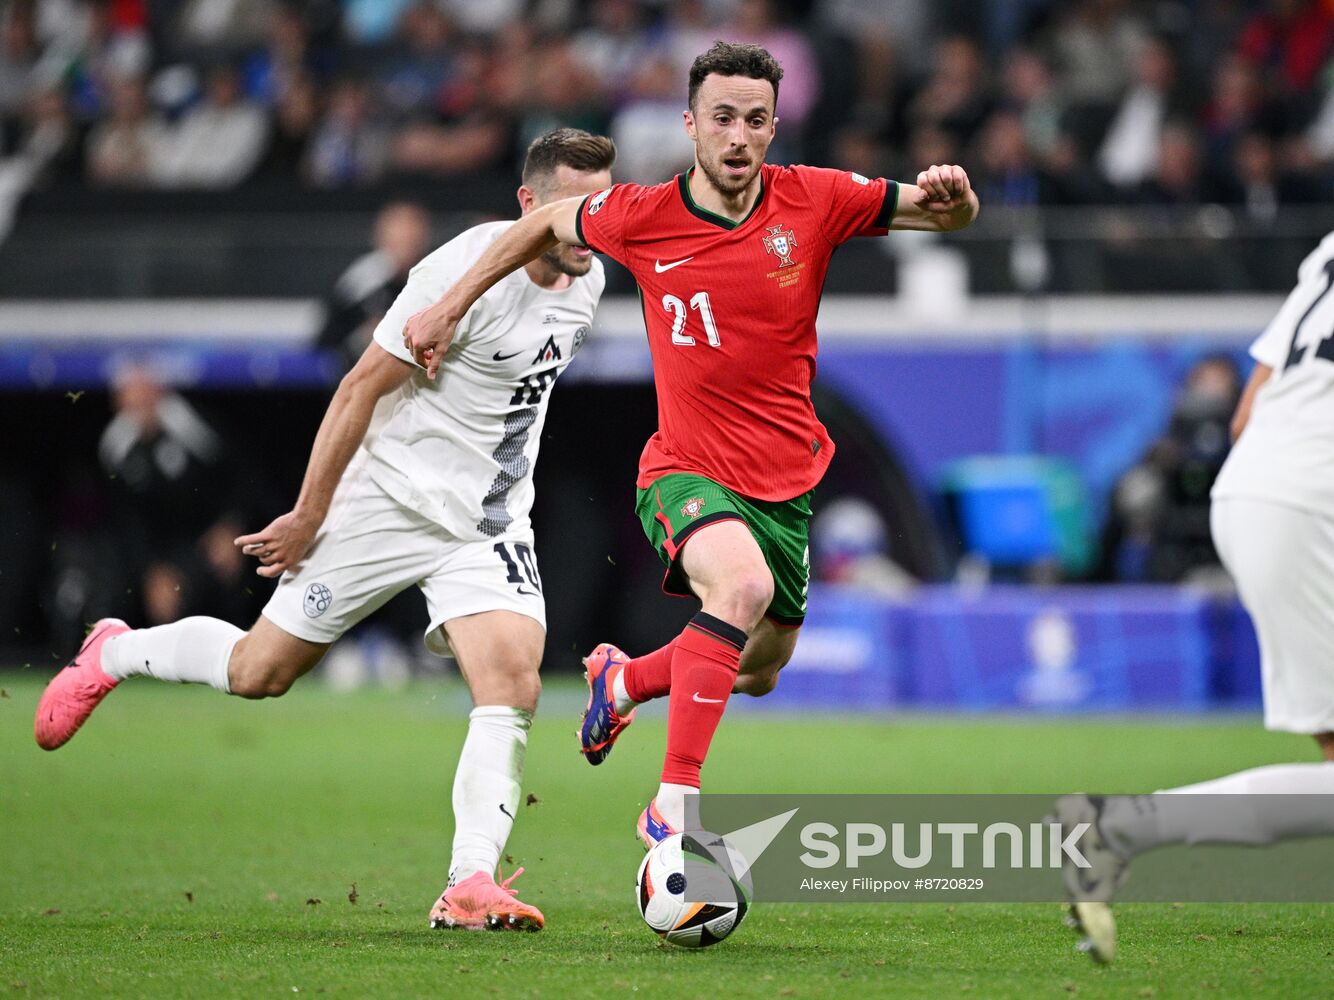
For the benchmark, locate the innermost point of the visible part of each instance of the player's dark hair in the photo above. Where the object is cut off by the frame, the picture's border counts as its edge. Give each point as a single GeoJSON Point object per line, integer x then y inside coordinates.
{"type": "Point", "coordinates": [570, 147]}
{"type": "Point", "coordinates": [735, 59]}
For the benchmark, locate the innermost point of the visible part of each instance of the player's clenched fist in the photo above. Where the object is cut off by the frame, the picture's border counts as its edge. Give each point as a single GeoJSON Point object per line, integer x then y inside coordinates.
{"type": "Point", "coordinates": [943, 187]}
{"type": "Point", "coordinates": [428, 334]}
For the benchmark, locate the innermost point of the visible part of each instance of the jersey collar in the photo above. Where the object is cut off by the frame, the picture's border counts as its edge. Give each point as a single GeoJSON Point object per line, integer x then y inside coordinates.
{"type": "Point", "coordinates": [721, 221]}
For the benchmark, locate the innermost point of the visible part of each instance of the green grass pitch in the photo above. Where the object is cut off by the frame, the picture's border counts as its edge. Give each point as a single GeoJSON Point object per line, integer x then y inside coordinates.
{"type": "Point", "coordinates": [186, 844]}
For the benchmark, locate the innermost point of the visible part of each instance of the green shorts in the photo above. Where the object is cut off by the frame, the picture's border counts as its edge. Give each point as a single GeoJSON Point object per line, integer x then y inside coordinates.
{"type": "Point", "coordinates": [679, 504]}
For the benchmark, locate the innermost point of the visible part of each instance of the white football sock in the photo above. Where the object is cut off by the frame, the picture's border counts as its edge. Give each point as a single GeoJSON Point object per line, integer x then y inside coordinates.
{"type": "Point", "coordinates": [671, 803]}
{"type": "Point", "coordinates": [624, 703]}
{"type": "Point", "coordinates": [192, 650]}
{"type": "Point", "coordinates": [1136, 823]}
{"type": "Point", "coordinates": [486, 788]}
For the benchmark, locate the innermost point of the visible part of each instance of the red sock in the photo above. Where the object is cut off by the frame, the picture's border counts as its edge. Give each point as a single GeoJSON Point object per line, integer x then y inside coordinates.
{"type": "Point", "coordinates": [704, 668]}
{"type": "Point", "coordinates": [650, 676]}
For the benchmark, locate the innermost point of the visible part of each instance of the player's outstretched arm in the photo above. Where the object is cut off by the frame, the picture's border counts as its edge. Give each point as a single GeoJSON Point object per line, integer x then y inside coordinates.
{"type": "Point", "coordinates": [429, 332]}
{"type": "Point", "coordinates": [941, 201]}
{"type": "Point", "coordinates": [286, 540]}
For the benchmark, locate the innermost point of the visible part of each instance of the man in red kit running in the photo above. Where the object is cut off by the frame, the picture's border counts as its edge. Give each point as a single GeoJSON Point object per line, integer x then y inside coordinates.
{"type": "Point", "coordinates": [730, 258]}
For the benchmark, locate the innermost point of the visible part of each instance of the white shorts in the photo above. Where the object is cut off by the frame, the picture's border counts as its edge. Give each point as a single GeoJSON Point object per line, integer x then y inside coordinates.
{"type": "Point", "coordinates": [370, 547]}
{"type": "Point", "coordinates": [1282, 559]}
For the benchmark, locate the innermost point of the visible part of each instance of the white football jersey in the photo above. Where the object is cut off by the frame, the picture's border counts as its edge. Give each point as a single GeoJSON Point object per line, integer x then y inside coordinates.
{"type": "Point", "coordinates": [1286, 452]}
{"type": "Point", "coordinates": [460, 450]}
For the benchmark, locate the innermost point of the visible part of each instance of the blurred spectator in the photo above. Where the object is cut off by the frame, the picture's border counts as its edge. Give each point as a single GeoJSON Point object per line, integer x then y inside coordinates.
{"type": "Point", "coordinates": [177, 501]}
{"type": "Point", "coordinates": [1313, 148]}
{"type": "Point", "coordinates": [929, 143]}
{"type": "Point", "coordinates": [857, 147]}
{"type": "Point", "coordinates": [850, 545]}
{"type": "Point", "coordinates": [1209, 35]}
{"type": "Point", "coordinates": [219, 142]}
{"type": "Point", "coordinates": [1235, 105]}
{"type": "Point", "coordinates": [1258, 184]}
{"type": "Point", "coordinates": [227, 25]}
{"type": "Point", "coordinates": [553, 89]}
{"type": "Point", "coordinates": [1129, 153]}
{"type": "Point", "coordinates": [18, 58]}
{"type": "Point", "coordinates": [885, 31]}
{"type": "Point", "coordinates": [45, 151]}
{"type": "Point", "coordinates": [1030, 88]}
{"type": "Point", "coordinates": [484, 18]}
{"type": "Point", "coordinates": [615, 46]}
{"type": "Point", "coordinates": [1094, 43]}
{"type": "Point", "coordinates": [688, 28]}
{"type": "Point", "coordinates": [114, 45]}
{"type": "Point", "coordinates": [465, 127]}
{"type": "Point", "coordinates": [49, 140]}
{"type": "Point", "coordinates": [294, 119]}
{"type": "Point", "coordinates": [649, 130]}
{"type": "Point", "coordinates": [955, 97]}
{"type": "Point", "coordinates": [1158, 526]}
{"type": "Point", "coordinates": [369, 286]}
{"type": "Point", "coordinates": [1289, 39]}
{"type": "Point", "coordinates": [285, 61]}
{"type": "Point", "coordinates": [414, 71]}
{"type": "Point", "coordinates": [1179, 176]}
{"type": "Point", "coordinates": [1008, 175]}
{"type": "Point", "coordinates": [127, 149]}
{"type": "Point", "coordinates": [351, 144]}
{"type": "Point", "coordinates": [372, 22]}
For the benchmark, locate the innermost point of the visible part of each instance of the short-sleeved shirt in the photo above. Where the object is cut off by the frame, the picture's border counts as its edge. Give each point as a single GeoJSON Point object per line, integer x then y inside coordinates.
{"type": "Point", "coordinates": [729, 308]}
{"type": "Point", "coordinates": [1286, 452]}
{"type": "Point", "coordinates": [460, 450]}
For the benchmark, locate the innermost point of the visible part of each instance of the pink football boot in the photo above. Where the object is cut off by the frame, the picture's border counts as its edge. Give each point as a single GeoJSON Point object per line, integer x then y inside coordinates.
{"type": "Point", "coordinates": [78, 689]}
{"type": "Point", "coordinates": [479, 904]}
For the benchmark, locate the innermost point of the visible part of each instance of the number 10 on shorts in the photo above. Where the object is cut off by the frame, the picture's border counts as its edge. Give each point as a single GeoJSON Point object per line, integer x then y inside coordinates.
{"type": "Point", "coordinates": [528, 576]}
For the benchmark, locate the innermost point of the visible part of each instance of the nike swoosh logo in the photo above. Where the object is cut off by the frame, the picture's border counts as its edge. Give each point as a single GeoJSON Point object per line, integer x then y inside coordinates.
{"type": "Point", "coordinates": [504, 357]}
{"type": "Point", "coordinates": [707, 701]}
{"type": "Point", "coordinates": [506, 811]}
{"type": "Point", "coordinates": [659, 266]}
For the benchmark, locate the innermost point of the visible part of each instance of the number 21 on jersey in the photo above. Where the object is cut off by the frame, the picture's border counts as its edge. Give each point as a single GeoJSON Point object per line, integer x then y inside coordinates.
{"type": "Point", "coordinates": [700, 302]}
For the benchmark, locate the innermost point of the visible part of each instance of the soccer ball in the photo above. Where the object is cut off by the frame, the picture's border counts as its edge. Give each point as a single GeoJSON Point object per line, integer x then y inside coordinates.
{"type": "Point", "coordinates": [687, 889]}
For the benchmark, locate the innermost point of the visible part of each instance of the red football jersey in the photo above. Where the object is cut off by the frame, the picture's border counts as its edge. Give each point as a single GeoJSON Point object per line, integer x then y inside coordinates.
{"type": "Point", "coordinates": [729, 308]}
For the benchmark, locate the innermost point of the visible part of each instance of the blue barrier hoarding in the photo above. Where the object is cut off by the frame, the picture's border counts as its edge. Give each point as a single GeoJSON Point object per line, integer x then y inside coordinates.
{"type": "Point", "coordinates": [1060, 649]}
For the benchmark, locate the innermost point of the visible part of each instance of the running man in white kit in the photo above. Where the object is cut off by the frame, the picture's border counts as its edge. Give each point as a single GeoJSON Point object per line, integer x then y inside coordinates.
{"type": "Point", "coordinates": [1273, 525]}
{"type": "Point", "coordinates": [413, 481]}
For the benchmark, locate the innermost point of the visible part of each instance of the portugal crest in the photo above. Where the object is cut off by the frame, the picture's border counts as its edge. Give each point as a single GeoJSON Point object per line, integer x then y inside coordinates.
{"type": "Point", "coordinates": [693, 507]}
{"type": "Point", "coordinates": [781, 242]}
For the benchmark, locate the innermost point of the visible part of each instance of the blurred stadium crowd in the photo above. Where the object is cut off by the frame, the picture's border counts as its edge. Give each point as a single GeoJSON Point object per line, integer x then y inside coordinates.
{"type": "Point", "coordinates": [1076, 102]}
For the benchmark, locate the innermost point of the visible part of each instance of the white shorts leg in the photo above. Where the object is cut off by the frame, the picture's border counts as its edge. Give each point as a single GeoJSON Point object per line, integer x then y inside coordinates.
{"type": "Point", "coordinates": [368, 549]}
{"type": "Point", "coordinates": [1282, 559]}
{"type": "Point", "coordinates": [496, 574]}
